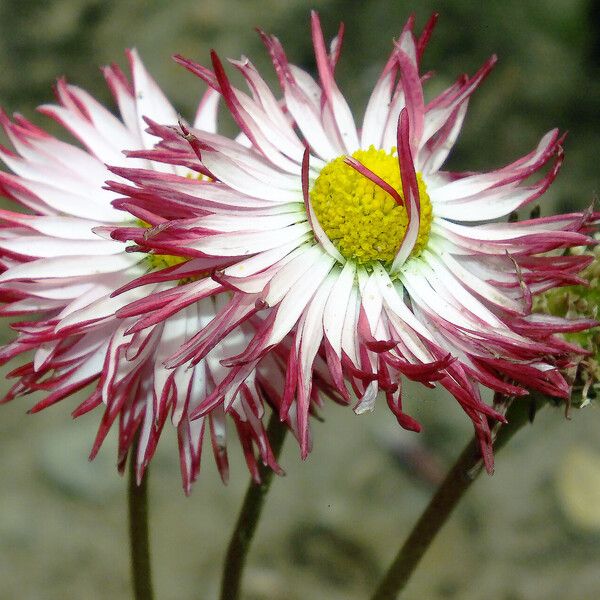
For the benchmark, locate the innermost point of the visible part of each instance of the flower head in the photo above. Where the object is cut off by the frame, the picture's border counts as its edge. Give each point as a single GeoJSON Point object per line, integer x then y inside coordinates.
{"type": "Point", "coordinates": [358, 244]}
{"type": "Point", "coordinates": [60, 263]}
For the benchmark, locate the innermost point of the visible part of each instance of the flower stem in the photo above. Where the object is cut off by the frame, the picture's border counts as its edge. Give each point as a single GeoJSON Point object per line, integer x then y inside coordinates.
{"type": "Point", "coordinates": [245, 527]}
{"type": "Point", "coordinates": [458, 480]}
{"type": "Point", "coordinates": [141, 574]}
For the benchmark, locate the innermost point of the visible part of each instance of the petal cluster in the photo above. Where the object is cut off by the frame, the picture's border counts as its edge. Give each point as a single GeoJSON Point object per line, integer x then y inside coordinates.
{"type": "Point", "coordinates": [457, 313]}
{"type": "Point", "coordinates": [60, 264]}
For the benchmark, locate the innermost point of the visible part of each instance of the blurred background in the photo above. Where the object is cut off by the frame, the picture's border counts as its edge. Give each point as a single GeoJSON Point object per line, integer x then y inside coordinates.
{"type": "Point", "coordinates": [334, 522]}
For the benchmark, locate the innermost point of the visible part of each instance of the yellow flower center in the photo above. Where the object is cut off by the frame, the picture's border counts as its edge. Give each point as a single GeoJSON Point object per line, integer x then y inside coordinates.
{"type": "Point", "coordinates": [361, 219]}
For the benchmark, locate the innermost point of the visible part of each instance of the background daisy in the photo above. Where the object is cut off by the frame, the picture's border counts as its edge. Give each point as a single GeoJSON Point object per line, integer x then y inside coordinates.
{"type": "Point", "coordinates": [58, 264]}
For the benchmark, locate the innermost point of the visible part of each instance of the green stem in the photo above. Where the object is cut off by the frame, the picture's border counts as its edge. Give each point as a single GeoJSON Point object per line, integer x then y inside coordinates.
{"type": "Point", "coordinates": [141, 573]}
{"type": "Point", "coordinates": [245, 527]}
{"type": "Point", "coordinates": [458, 480]}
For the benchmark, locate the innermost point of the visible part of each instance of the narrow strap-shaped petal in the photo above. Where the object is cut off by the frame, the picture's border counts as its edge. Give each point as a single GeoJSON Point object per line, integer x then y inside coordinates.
{"type": "Point", "coordinates": [413, 91]}
{"type": "Point", "coordinates": [339, 107]}
{"type": "Point", "coordinates": [410, 189]}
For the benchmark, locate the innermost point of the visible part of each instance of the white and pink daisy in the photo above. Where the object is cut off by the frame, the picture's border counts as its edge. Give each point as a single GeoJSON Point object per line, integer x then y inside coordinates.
{"type": "Point", "coordinates": [357, 243]}
{"type": "Point", "coordinates": [59, 262]}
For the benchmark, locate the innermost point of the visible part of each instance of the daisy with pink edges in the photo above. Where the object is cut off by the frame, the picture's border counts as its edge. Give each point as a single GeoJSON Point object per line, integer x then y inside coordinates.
{"type": "Point", "coordinates": [356, 243]}
{"type": "Point", "coordinates": [59, 262]}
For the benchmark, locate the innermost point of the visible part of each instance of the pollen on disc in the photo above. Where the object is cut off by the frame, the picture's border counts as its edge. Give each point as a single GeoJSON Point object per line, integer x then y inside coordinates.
{"type": "Point", "coordinates": [363, 221]}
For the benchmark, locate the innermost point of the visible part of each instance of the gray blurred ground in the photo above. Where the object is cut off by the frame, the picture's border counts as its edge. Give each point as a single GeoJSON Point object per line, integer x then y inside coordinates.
{"type": "Point", "coordinates": [530, 532]}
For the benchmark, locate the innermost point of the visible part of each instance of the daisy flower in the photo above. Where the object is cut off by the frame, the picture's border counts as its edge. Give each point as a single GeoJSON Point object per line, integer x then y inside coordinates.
{"type": "Point", "coordinates": [358, 244]}
{"type": "Point", "coordinates": [59, 263]}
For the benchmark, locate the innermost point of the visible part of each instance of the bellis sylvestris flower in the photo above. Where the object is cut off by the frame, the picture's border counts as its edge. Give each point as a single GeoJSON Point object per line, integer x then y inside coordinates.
{"type": "Point", "coordinates": [56, 263]}
{"type": "Point", "coordinates": [357, 243]}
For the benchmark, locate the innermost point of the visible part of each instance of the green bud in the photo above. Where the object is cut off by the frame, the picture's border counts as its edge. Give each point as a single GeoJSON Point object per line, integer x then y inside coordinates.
{"type": "Point", "coordinates": [576, 302]}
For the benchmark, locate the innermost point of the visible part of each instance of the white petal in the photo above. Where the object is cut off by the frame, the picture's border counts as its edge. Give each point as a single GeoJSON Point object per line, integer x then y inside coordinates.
{"type": "Point", "coordinates": [243, 181]}
{"type": "Point", "coordinates": [69, 266]}
{"type": "Point", "coordinates": [336, 307]}
{"type": "Point", "coordinates": [150, 100]}
{"type": "Point", "coordinates": [42, 246]}
{"type": "Point", "coordinates": [297, 298]}
{"type": "Point", "coordinates": [243, 243]}
{"type": "Point", "coordinates": [292, 272]}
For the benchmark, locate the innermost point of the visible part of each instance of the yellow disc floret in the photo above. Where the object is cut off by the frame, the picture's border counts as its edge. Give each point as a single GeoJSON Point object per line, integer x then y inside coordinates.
{"type": "Point", "coordinates": [363, 221]}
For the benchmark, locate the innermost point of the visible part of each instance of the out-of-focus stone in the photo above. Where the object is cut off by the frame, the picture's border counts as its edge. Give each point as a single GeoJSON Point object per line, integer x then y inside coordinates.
{"type": "Point", "coordinates": [578, 487]}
